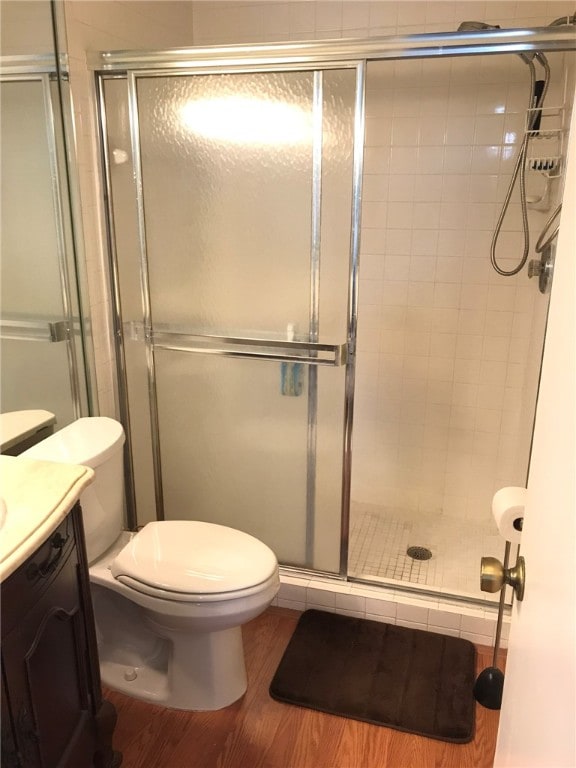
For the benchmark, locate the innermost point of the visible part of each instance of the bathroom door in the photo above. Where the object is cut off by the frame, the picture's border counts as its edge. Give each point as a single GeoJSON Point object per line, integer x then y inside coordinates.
{"type": "Point", "coordinates": [539, 703]}
{"type": "Point", "coordinates": [243, 188]}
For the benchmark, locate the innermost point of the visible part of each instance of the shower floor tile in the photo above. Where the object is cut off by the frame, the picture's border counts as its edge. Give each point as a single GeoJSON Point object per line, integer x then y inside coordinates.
{"type": "Point", "coordinates": [380, 536]}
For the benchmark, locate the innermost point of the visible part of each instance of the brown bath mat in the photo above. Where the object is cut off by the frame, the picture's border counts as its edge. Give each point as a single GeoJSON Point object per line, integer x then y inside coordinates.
{"type": "Point", "coordinates": [414, 681]}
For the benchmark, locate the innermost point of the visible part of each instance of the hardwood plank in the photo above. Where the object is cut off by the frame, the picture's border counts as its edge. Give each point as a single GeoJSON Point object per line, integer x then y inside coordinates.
{"type": "Point", "coordinates": [409, 750]}
{"type": "Point", "coordinates": [260, 716]}
{"type": "Point", "coordinates": [361, 744]}
{"type": "Point", "coordinates": [258, 732]}
{"type": "Point", "coordinates": [305, 738]}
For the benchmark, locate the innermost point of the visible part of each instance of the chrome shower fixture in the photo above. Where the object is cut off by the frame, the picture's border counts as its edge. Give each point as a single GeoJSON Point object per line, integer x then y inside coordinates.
{"type": "Point", "coordinates": [475, 26]}
{"type": "Point", "coordinates": [478, 26]}
{"type": "Point", "coordinates": [538, 89]}
{"type": "Point", "coordinates": [563, 21]}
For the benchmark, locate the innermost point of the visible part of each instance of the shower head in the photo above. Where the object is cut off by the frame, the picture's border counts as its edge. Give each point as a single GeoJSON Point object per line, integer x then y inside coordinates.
{"type": "Point", "coordinates": [563, 21]}
{"type": "Point", "coordinates": [476, 26]}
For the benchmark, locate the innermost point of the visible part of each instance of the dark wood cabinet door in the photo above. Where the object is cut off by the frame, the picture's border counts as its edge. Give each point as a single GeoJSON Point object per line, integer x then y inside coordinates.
{"type": "Point", "coordinates": [46, 669]}
{"type": "Point", "coordinates": [9, 753]}
{"type": "Point", "coordinates": [53, 714]}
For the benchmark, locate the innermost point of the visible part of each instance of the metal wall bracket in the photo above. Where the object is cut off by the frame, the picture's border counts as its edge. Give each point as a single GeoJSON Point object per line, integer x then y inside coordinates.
{"type": "Point", "coordinates": [34, 330]}
{"type": "Point", "coordinates": [59, 331]}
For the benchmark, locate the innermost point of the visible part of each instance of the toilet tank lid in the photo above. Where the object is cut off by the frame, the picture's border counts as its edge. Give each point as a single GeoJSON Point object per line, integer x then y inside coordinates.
{"type": "Point", "coordinates": [18, 425]}
{"type": "Point", "coordinates": [192, 557]}
{"type": "Point", "coordinates": [90, 440]}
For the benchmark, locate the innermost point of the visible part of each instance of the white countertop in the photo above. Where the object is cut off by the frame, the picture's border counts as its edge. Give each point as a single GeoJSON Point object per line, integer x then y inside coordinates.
{"type": "Point", "coordinates": [18, 425]}
{"type": "Point", "coordinates": [38, 496]}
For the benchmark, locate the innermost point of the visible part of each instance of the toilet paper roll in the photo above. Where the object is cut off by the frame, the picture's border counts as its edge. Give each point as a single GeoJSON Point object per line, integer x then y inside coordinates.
{"type": "Point", "coordinates": [508, 510]}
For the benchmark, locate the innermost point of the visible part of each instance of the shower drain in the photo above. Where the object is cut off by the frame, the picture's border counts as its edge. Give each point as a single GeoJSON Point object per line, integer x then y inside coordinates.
{"type": "Point", "coordinates": [419, 553]}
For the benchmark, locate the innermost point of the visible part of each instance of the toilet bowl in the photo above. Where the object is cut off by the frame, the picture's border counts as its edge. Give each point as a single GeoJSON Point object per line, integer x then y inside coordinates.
{"type": "Point", "coordinates": [169, 600]}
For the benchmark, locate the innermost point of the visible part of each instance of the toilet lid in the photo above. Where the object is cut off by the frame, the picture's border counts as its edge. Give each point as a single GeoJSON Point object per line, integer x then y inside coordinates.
{"type": "Point", "coordinates": [191, 557]}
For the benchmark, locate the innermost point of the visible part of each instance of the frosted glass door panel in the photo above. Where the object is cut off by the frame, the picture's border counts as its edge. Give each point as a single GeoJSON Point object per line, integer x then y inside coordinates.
{"type": "Point", "coordinates": [31, 284]}
{"type": "Point", "coordinates": [124, 201]}
{"type": "Point", "coordinates": [234, 450]}
{"type": "Point", "coordinates": [227, 170]}
{"type": "Point", "coordinates": [338, 93]}
{"type": "Point", "coordinates": [228, 165]}
{"type": "Point", "coordinates": [35, 375]}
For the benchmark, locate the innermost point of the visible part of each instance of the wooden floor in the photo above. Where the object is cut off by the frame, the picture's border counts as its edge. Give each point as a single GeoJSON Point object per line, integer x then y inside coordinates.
{"type": "Point", "coordinates": [258, 732]}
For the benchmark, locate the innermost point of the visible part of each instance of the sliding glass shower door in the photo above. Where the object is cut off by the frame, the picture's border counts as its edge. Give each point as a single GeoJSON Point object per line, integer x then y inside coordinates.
{"type": "Point", "coordinates": [232, 196]}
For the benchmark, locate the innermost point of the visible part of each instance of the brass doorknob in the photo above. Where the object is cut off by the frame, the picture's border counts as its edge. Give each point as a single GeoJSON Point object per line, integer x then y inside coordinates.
{"type": "Point", "coordinates": [493, 576]}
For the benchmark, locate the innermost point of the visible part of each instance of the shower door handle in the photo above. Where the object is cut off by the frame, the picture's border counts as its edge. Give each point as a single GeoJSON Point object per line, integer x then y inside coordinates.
{"type": "Point", "coordinates": [35, 330]}
{"type": "Point", "coordinates": [277, 350]}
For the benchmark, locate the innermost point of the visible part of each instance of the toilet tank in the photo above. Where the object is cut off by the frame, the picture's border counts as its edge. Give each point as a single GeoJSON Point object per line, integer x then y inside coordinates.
{"type": "Point", "coordinates": [96, 442]}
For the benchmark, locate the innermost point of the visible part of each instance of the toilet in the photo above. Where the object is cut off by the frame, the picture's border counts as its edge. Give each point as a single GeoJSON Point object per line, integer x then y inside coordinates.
{"type": "Point", "coordinates": [169, 600]}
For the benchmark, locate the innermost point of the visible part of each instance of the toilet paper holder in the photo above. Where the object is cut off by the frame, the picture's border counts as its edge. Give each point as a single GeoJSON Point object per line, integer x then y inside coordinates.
{"type": "Point", "coordinates": [508, 507]}
{"type": "Point", "coordinates": [493, 576]}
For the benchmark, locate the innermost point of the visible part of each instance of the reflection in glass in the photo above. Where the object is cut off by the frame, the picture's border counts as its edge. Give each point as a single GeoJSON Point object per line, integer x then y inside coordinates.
{"type": "Point", "coordinates": [42, 348]}
{"type": "Point", "coordinates": [35, 370]}
{"type": "Point", "coordinates": [247, 120]}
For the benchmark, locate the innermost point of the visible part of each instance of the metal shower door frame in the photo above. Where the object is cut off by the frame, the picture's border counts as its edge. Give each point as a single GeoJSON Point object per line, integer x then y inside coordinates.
{"type": "Point", "coordinates": [270, 349]}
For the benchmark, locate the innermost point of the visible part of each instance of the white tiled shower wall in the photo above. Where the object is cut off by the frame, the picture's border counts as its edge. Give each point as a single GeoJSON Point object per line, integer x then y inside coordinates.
{"type": "Point", "coordinates": [444, 342]}
{"type": "Point", "coordinates": [480, 347]}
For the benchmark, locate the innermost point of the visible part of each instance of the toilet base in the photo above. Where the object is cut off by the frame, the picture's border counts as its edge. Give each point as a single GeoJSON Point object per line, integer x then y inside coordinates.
{"type": "Point", "coordinates": [138, 681]}
{"type": "Point", "coordinates": [197, 672]}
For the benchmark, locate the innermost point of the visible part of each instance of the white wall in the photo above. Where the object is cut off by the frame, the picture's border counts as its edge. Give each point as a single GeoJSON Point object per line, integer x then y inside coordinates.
{"type": "Point", "coordinates": [25, 28]}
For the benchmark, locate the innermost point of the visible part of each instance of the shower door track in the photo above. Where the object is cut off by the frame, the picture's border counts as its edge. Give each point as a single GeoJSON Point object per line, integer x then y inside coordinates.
{"type": "Point", "coordinates": [338, 52]}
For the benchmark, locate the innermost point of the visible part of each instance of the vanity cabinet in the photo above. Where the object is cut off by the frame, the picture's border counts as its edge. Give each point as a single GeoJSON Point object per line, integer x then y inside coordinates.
{"type": "Point", "coordinates": [53, 714]}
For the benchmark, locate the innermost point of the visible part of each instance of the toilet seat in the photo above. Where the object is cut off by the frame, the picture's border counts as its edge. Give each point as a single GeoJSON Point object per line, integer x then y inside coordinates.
{"type": "Point", "coordinates": [181, 597]}
{"type": "Point", "coordinates": [191, 561]}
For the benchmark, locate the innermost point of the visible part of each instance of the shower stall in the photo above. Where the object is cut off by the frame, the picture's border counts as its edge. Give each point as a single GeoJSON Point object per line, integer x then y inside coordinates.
{"type": "Point", "coordinates": [313, 346]}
